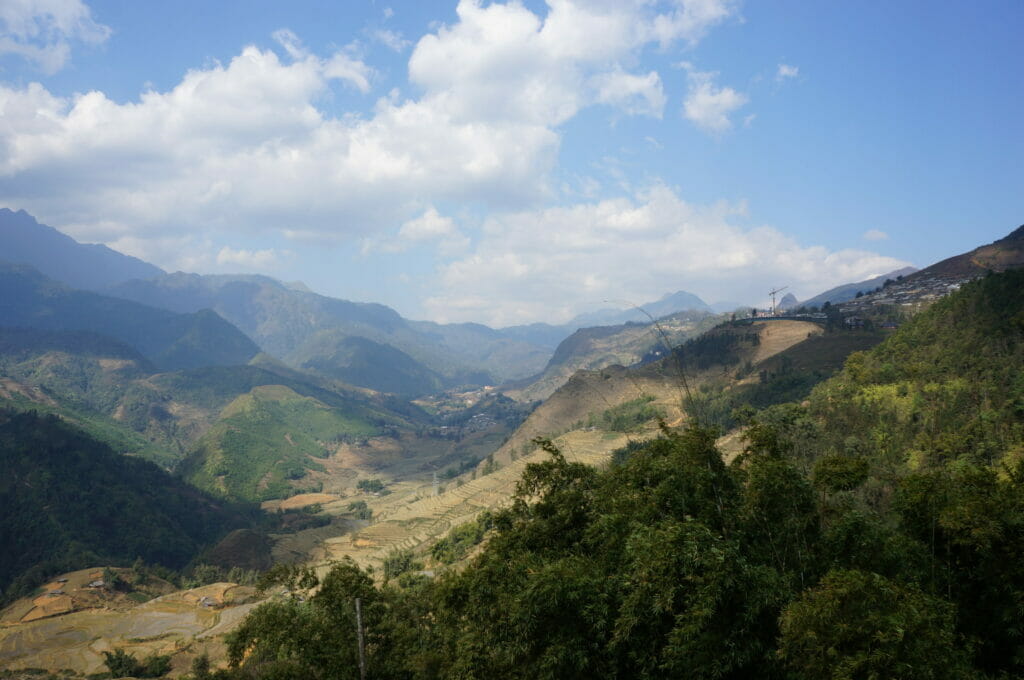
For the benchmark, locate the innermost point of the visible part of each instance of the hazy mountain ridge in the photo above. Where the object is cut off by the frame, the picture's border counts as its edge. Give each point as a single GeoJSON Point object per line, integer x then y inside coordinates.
{"type": "Point", "coordinates": [80, 265]}
{"type": "Point", "coordinates": [308, 329]}
{"type": "Point", "coordinates": [170, 340]}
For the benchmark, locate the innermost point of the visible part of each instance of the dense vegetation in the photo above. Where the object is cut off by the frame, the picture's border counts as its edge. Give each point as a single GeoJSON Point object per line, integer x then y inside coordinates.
{"type": "Point", "coordinates": [70, 502]}
{"type": "Point", "coordinates": [876, 533]}
{"type": "Point", "coordinates": [267, 439]}
{"type": "Point", "coordinates": [628, 416]}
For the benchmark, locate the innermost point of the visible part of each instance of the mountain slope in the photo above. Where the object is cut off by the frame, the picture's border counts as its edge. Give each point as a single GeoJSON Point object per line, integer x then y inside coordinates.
{"type": "Point", "coordinates": [268, 438]}
{"type": "Point", "coordinates": [595, 348]}
{"type": "Point", "coordinates": [848, 291]}
{"type": "Point", "coordinates": [302, 327]}
{"type": "Point", "coordinates": [947, 385]}
{"type": "Point", "coordinates": [23, 240]}
{"type": "Point", "coordinates": [171, 341]}
{"type": "Point", "coordinates": [70, 502]}
{"type": "Point", "coordinates": [547, 335]}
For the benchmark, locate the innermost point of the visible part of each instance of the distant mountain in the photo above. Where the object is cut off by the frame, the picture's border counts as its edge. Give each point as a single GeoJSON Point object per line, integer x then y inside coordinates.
{"type": "Point", "coordinates": [360, 361]}
{"type": "Point", "coordinates": [306, 329]}
{"type": "Point", "coordinates": [940, 279]}
{"type": "Point", "coordinates": [171, 341]}
{"type": "Point", "coordinates": [547, 335]}
{"type": "Point", "coordinates": [667, 304]}
{"type": "Point", "coordinates": [600, 346]}
{"type": "Point", "coordinates": [23, 240]}
{"type": "Point", "coordinates": [848, 291]}
{"type": "Point", "coordinates": [788, 301]}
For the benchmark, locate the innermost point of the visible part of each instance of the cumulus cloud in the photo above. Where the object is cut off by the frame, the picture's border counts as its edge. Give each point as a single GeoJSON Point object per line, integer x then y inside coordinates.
{"type": "Point", "coordinates": [634, 248]}
{"type": "Point", "coordinates": [247, 146]}
{"type": "Point", "coordinates": [42, 31]}
{"type": "Point", "coordinates": [635, 94]}
{"type": "Point", "coordinates": [708, 105]}
{"type": "Point", "coordinates": [875, 235]}
{"type": "Point", "coordinates": [428, 227]}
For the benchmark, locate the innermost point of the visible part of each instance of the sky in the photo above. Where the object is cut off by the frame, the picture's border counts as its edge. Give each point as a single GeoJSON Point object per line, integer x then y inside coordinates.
{"type": "Point", "coordinates": [512, 162]}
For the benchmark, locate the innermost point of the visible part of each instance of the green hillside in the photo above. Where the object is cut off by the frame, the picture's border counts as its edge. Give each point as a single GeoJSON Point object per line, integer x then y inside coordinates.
{"type": "Point", "coordinates": [876, 533]}
{"type": "Point", "coordinates": [948, 386]}
{"type": "Point", "coordinates": [70, 502]}
{"type": "Point", "coordinates": [269, 438]}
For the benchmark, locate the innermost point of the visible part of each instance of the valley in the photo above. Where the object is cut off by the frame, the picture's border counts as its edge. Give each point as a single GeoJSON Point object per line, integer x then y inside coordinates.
{"type": "Point", "coordinates": [260, 458]}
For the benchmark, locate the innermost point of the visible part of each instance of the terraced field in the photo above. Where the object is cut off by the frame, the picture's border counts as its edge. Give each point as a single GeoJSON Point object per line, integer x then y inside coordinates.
{"type": "Point", "coordinates": [412, 517]}
{"type": "Point", "coordinates": [185, 624]}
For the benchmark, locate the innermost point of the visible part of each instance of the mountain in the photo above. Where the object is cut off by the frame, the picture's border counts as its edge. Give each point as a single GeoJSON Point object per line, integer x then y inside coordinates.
{"type": "Point", "coordinates": [304, 328]}
{"type": "Point", "coordinates": [848, 291]}
{"type": "Point", "coordinates": [667, 304]}
{"type": "Point", "coordinates": [71, 502]}
{"type": "Point", "coordinates": [998, 256]}
{"type": "Point", "coordinates": [171, 341]}
{"type": "Point", "coordinates": [358, 361]}
{"type": "Point", "coordinates": [266, 439]}
{"type": "Point", "coordinates": [23, 240]}
{"type": "Point", "coordinates": [597, 347]}
{"type": "Point", "coordinates": [547, 335]}
{"type": "Point", "coordinates": [923, 287]}
{"type": "Point", "coordinates": [788, 301]}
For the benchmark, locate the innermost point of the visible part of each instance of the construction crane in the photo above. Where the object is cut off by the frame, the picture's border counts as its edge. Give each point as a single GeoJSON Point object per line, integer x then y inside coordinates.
{"type": "Point", "coordinates": [772, 293]}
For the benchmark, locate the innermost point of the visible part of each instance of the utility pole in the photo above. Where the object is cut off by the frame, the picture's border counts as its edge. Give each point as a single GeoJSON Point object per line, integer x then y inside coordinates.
{"type": "Point", "coordinates": [362, 643]}
{"type": "Point", "coordinates": [435, 483]}
{"type": "Point", "coordinates": [772, 293]}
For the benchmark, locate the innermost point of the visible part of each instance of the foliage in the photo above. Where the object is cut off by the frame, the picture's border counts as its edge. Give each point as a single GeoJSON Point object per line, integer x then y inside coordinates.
{"type": "Point", "coordinates": [858, 624]}
{"type": "Point", "coordinates": [370, 485]}
{"type": "Point", "coordinates": [264, 440]}
{"type": "Point", "coordinates": [460, 540]}
{"type": "Point", "coordinates": [70, 502]}
{"type": "Point", "coordinates": [627, 416]}
{"type": "Point", "coordinates": [122, 665]}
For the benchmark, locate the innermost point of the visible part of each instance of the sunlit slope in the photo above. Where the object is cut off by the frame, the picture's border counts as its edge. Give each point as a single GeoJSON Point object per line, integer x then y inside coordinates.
{"type": "Point", "coordinates": [590, 349]}
{"type": "Point", "coordinates": [714, 357]}
{"type": "Point", "coordinates": [265, 441]}
{"type": "Point", "coordinates": [948, 385]}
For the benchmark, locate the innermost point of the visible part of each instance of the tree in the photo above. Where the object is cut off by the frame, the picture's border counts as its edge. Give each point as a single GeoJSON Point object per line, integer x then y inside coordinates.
{"type": "Point", "coordinates": [857, 624]}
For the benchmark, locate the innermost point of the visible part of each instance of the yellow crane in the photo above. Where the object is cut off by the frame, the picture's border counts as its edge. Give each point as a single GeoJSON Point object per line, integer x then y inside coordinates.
{"type": "Point", "coordinates": [772, 293]}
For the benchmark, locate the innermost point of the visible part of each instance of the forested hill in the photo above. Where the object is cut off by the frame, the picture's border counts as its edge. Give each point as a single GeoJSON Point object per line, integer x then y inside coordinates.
{"type": "Point", "coordinates": [70, 502]}
{"type": "Point", "coordinates": [948, 386]}
{"type": "Point", "coordinates": [876, 533]}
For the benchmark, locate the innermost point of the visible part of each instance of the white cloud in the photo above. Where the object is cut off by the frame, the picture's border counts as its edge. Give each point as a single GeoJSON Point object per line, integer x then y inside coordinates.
{"type": "Point", "coordinates": [786, 71]}
{"type": "Point", "coordinates": [42, 31]}
{"type": "Point", "coordinates": [393, 40]}
{"type": "Point", "coordinates": [634, 94]}
{"type": "Point", "coordinates": [430, 226]}
{"type": "Point", "coordinates": [247, 146]}
{"type": "Point", "coordinates": [708, 105]}
{"type": "Point", "coordinates": [875, 235]}
{"type": "Point", "coordinates": [633, 249]}
{"type": "Point", "coordinates": [690, 20]}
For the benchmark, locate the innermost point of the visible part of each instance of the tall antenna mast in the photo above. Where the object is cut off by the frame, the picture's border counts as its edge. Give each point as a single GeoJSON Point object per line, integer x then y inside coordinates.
{"type": "Point", "coordinates": [772, 293]}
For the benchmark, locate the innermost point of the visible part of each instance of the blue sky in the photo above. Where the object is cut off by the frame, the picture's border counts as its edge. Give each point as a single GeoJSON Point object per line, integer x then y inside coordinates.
{"type": "Point", "coordinates": [515, 162]}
